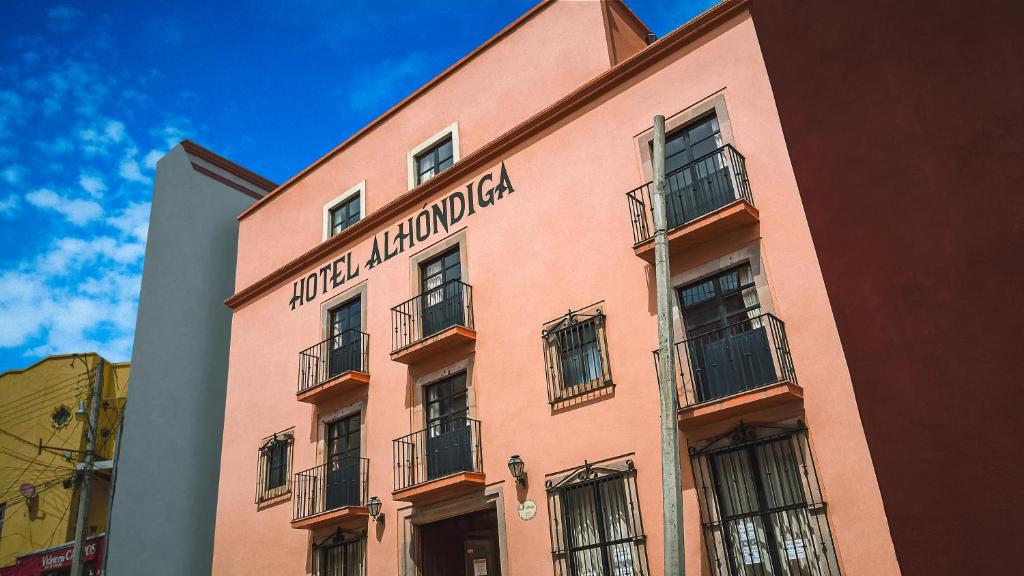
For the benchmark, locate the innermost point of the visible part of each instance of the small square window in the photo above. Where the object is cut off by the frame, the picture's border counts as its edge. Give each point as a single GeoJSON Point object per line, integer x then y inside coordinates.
{"type": "Point", "coordinates": [345, 215]}
{"type": "Point", "coordinates": [576, 356]}
{"type": "Point", "coordinates": [434, 160]}
{"type": "Point", "coordinates": [274, 466]}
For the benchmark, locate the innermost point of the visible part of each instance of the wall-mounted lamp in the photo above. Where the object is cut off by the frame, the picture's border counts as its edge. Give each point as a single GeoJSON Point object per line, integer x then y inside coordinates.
{"type": "Point", "coordinates": [518, 468]}
{"type": "Point", "coordinates": [373, 505]}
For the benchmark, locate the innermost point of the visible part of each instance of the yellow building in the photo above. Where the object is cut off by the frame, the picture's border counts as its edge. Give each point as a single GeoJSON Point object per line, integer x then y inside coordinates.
{"type": "Point", "coordinates": [42, 442]}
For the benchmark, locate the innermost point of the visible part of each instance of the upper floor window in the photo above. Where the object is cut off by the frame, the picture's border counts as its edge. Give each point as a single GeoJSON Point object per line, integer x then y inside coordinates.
{"type": "Point", "coordinates": [274, 466]}
{"type": "Point", "coordinates": [576, 357]}
{"type": "Point", "coordinates": [595, 522]}
{"type": "Point", "coordinates": [434, 160]}
{"type": "Point", "coordinates": [344, 211]}
{"type": "Point", "coordinates": [344, 215]}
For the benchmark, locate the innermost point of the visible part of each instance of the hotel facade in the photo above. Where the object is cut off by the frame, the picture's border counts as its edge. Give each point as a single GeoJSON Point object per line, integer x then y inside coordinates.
{"type": "Point", "coordinates": [441, 345]}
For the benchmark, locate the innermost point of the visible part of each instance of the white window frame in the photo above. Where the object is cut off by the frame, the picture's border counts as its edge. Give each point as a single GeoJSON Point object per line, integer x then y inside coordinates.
{"type": "Point", "coordinates": [357, 189]}
{"type": "Point", "coordinates": [451, 130]}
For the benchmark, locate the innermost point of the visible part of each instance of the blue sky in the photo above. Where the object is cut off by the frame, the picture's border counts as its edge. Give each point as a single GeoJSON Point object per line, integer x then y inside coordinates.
{"type": "Point", "coordinates": [93, 93]}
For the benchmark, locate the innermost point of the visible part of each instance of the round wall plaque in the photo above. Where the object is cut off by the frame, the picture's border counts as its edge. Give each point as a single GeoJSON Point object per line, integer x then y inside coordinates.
{"type": "Point", "coordinates": [527, 510]}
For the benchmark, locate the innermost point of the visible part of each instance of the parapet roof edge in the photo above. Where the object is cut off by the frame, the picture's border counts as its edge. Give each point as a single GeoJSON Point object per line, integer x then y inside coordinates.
{"type": "Point", "coordinates": [223, 163]}
{"type": "Point", "coordinates": [398, 107]}
{"type": "Point", "coordinates": [621, 72]}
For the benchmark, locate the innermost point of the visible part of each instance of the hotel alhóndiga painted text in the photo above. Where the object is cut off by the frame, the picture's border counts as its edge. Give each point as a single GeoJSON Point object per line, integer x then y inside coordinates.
{"type": "Point", "coordinates": [441, 215]}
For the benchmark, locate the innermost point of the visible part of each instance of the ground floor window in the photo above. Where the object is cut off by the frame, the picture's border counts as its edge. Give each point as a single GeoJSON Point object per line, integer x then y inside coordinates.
{"type": "Point", "coordinates": [761, 504]}
{"type": "Point", "coordinates": [339, 556]}
{"type": "Point", "coordinates": [596, 528]}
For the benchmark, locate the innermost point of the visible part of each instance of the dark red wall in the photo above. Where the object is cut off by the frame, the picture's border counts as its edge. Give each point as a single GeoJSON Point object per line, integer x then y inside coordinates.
{"type": "Point", "coordinates": [905, 123]}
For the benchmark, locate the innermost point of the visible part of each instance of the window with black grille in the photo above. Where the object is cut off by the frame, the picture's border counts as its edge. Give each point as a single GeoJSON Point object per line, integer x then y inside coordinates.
{"type": "Point", "coordinates": [761, 504]}
{"type": "Point", "coordinates": [576, 355]}
{"type": "Point", "coordinates": [339, 555]}
{"type": "Point", "coordinates": [275, 463]}
{"type": "Point", "coordinates": [596, 528]}
{"type": "Point", "coordinates": [434, 160]}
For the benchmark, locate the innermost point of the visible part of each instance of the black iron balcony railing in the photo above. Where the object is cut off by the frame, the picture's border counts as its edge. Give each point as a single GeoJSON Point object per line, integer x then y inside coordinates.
{"type": "Point", "coordinates": [343, 352]}
{"type": "Point", "coordinates": [442, 449]}
{"type": "Point", "coordinates": [743, 356]}
{"type": "Point", "coordinates": [339, 483]}
{"type": "Point", "coordinates": [708, 183]}
{"type": "Point", "coordinates": [433, 311]}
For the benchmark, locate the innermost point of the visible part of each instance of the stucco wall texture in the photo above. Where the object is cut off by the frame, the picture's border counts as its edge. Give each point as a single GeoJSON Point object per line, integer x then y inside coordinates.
{"type": "Point", "coordinates": [561, 240]}
{"type": "Point", "coordinates": [903, 122]}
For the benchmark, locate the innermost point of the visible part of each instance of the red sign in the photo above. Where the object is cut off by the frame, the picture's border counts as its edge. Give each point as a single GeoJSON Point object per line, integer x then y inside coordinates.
{"type": "Point", "coordinates": [53, 560]}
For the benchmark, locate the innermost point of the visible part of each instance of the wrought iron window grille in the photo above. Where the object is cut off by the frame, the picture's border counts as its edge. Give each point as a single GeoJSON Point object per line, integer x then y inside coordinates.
{"type": "Point", "coordinates": [596, 526]}
{"type": "Point", "coordinates": [576, 354]}
{"type": "Point", "coordinates": [273, 475]}
{"type": "Point", "coordinates": [761, 503]}
{"type": "Point", "coordinates": [340, 554]}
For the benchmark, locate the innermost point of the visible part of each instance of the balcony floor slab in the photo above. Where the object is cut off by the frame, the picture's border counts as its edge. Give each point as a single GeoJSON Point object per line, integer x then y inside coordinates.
{"type": "Point", "coordinates": [442, 341]}
{"type": "Point", "coordinates": [739, 405]}
{"type": "Point", "coordinates": [334, 387]}
{"type": "Point", "coordinates": [344, 516]}
{"type": "Point", "coordinates": [713, 225]}
{"type": "Point", "coordinates": [441, 488]}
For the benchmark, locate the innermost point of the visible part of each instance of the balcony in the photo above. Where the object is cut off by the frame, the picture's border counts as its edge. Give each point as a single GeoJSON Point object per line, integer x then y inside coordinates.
{"type": "Point", "coordinates": [734, 371]}
{"type": "Point", "coordinates": [435, 321]}
{"type": "Point", "coordinates": [705, 199]}
{"type": "Point", "coordinates": [333, 367]}
{"type": "Point", "coordinates": [331, 494]}
{"type": "Point", "coordinates": [442, 461]}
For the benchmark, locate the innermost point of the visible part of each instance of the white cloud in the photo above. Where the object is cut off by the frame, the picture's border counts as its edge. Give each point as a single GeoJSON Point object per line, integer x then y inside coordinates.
{"type": "Point", "coordinates": [133, 221]}
{"type": "Point", "coordinates": [78, 212]}
{"type": "Point", "coordinates": [55, 147]}
{"type": "Point", "coordinates": [93, 184]}
{"type": "Point", "coordinates": [101, 136]}
{"type": "Point", "coordinates": [131, 171]}
{"type": "Point", "coordinates": [152, 157]}
{"type": "Point", "coordinates": [10, 205]}
{"type": "Point", "coordinates": [12, 111]}
{"type": "Point", "coordinates": [13, 175]}
{"type": "Point", "coordinates": [63, 17]}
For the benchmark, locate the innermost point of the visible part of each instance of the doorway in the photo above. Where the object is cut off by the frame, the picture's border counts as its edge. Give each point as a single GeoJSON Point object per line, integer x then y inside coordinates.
{"type": "Point", "coordinates": [465, 545]}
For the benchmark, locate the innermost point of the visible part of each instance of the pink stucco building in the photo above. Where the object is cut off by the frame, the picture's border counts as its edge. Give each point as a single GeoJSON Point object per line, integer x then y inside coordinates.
{"type": "Point", "coordinates": [465, 286]}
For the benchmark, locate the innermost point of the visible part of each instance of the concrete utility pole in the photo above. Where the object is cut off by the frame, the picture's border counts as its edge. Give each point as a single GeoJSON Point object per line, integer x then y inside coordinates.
{"type": "Point", "coordinates": [87, 471]}
{"type": "Point", "coordinates": [671, 486]}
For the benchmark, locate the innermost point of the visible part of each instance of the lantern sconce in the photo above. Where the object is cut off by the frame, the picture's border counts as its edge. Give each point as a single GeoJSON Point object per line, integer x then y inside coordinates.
{"type": "Point", "coordinates": [374, 505]}
{"type": "Point", "coordinates": [518, 469]}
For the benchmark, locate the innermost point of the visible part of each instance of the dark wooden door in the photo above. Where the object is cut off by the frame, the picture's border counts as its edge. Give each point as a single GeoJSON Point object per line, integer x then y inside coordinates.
{"type": "Point", "coordinates": [698, 181]}
{"type": "Point", "coordinates": [449, 438]}
{"type": "Point", "coordinates": [343, 463]}
{"type": "Point", "coordinates": [727, 345]}
{"type": "Point", "coordinates": [346, 351]}
{"type": "Point", "coordinates": [442, 298]}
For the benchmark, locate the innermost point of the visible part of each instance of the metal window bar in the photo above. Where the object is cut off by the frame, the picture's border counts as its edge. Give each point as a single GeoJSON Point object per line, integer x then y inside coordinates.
{"type": "Point", "coordinates": [596, 528]}
{"type": "Point", "coordinates": [745, 355]}
{"type": "Point", "coordinates": [430, 312]}
{"type": "Point", "coordinates": [761, 505]}
{"type": "Point", "coordinates": [576, 356]}
{"type": "Point", "coordinates": [706, 184]}
{"type": "Point", "coordinates": [442, 449]}
{"type": "Point", "coordinates": [345, 351]}
{"type": "Point", "coordinates": [273, 467]}
{"type": "Point", "coordinates": [338, 483]}
{"type": "Point", "coordinates": [340, 557]}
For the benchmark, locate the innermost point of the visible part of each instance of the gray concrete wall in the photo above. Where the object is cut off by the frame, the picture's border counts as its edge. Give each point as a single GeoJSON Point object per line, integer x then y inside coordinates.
{"type": "Point", "coordinates": [165, 502]}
